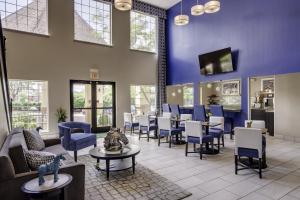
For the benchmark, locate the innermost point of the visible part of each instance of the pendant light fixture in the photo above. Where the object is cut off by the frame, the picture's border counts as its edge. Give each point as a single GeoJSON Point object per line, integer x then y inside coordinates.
{"type": "Point", "coordinates": [181, 19]}
{"type": "Point", "coordinates": [197, 9]}
{"type": "Point", "coordinates": [212, 6]}
{"type": "Point", "coordinates": [123, 5]}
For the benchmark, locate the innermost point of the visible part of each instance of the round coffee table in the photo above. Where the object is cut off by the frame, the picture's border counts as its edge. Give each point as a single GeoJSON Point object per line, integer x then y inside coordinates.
{"type": "Point", "coordinates": [119, 159]}
{"type": "Point", "coordinates": [33, 190]}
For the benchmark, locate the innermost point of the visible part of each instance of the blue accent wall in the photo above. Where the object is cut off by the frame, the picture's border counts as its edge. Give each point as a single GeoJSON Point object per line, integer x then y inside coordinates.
{"type": "Point", "coordinates": [265, 33]}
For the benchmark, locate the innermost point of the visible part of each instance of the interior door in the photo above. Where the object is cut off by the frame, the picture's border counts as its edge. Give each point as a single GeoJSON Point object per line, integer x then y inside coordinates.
{"type": "Point", "coordinates": [93, 102]}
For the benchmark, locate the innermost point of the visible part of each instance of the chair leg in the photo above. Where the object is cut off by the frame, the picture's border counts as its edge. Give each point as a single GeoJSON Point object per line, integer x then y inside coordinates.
{"type": "Point", "coordinates": [218, 143]}
{"type": "Point", "coordinates": [131, 130]}
{"type": "Point", "coordinates": [223, 141]}
{"type": "Point", "coordinates": [75, 156]}
{"type": "Point", "coordinates": [260, 163]}
{"type": "Point", "coordinates": [158, 140]}
{"type": "Point", "coordinates": [201, 149]}
{"type": "Point", "coordinates": [140, 134]}
{"type": "Point", "coordinates": [236, 164]}
{"type": "Point", "coordinates": [194, 147]}
{"type": "Point", "coordinates": [170, 141]}
{"type": "Point", "coordinates": [212, 146]}
{"type": "Point", "coordinates": [186, 148]}
{"type": "Point", "coordinates": [148, 136]}
{"type": "Point", "coordinates": [95, 145]}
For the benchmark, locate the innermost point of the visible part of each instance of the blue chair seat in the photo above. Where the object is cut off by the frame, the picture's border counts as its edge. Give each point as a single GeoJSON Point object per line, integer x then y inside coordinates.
{"type": "Point", "coordinates": [174, 131]}
{"type": "Point", "coordinates": [196, 140]}
{"type": "Point", "coordinates": [82, 140]}
{"type": "Point", "coordinates": [215, 132]}
{"type": "Point", "coordinates": [130, 125]}
{"type": "Point", "coordinates": [182, 128]}
{"type": "Point", "coordinates": [151, 128]}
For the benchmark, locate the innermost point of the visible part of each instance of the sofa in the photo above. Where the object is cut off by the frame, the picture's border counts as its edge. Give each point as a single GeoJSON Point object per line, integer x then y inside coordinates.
{"type": "Point", "coordinates": [15, 171]}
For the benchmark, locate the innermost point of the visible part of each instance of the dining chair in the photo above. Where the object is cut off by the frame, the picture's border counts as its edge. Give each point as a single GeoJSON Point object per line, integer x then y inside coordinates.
{"type": "Point", "coordinates": [248, 143]}
{"type": "Point", "coordinates": [217, 131]}
{"type": "Point", "coordinates": [175, 110]}
{"type": "Point", "coordinates": [194, 135]}
{"type": "Point", "coordinates": [183, 119]}
{"type": "Point", "coordinates": [200, 113]}
{"type": "Point", "coordinates": [166, 107]}
{"type": "Point", "coordinates": [145, 126]}
{"type": "Point", "coordinates": [165, 129]}
{"type": "Point", "coordinates": [218, 111]}
{"type": "Point", "coordinates": [129, 122]}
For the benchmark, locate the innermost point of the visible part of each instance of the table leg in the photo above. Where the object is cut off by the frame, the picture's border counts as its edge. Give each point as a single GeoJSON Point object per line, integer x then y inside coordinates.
{"type": "Point", "coordinates": [133, 164]}
{"type": "Point", "coordinates": [107, 169]}
{"type": "Point", "coordinates": [98, 164]}
{"type": "Point", "coordinates": [62, 194]}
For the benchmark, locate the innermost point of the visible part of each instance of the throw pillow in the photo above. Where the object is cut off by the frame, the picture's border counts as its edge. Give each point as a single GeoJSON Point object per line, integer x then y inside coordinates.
{"type": "Point", "coordinates": [33, 140]}
{"type": "Point", "coordinates": [37, 158]}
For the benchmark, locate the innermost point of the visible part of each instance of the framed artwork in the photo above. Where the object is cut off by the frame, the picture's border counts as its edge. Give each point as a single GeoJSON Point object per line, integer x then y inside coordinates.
{"type": "Point", "coordinates": [231, 88]}
{"type": "Point", "coordinates": [267, 85]}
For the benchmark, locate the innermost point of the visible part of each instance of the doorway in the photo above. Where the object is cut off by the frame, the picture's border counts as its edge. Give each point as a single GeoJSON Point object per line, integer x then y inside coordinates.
{"type": "Point", "coordinates": [93, 102]}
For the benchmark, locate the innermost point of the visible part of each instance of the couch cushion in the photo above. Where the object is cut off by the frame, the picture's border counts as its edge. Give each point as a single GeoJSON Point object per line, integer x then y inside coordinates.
{"type": "Point", "coordinates": [56, 149]}
{"type": "Point", "coordinates": [33, 140]}
{"type": "Point", "coordinates": [7, 169]}
{"type": "Point", "coordinates": [37, 158]}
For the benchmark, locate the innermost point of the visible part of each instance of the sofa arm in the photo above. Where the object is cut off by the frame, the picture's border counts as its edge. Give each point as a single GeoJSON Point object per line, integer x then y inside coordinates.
{"type": "Point", "coordinates": [52, 141]}
{"type": "Point", "coordinates": [11, 189]}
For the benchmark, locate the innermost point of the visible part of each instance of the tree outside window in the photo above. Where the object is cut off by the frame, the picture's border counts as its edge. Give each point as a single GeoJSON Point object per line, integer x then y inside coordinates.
{"type": "Point", "coordinates": [143, 99]}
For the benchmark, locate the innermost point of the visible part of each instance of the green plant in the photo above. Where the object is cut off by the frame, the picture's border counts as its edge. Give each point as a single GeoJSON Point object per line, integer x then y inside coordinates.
{"type": "Point", "coordinates": [61, 115]}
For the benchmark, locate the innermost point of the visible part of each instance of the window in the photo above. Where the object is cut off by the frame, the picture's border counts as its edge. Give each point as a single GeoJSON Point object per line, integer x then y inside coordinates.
{"type": "Point", "coordinates": [92, 21]}
{"type": "Point", "coordinates": [143, 99]}
{"type": "Point", "coordinates": [188, 96]}
{"type": "Point", "coordinates": [29, 103]}
{"type": "Point", "coordinates": [143, 30]}
{"type": "Point", "coordinates": [25, 15]}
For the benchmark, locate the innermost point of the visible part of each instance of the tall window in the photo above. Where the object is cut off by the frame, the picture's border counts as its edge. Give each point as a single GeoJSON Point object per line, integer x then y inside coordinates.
{"type": "Point", "coordinates": [92, 21]}
{"type": "Point", "coordinates": [188, 95]}
{"type": "Point", "coordinates": [29, 103]}
{"type": "Point", "coordinates": [143, 99]}
{"type": "Point", "coordinates": [143, 31]}
{"type": "Point", "coordinates": [25, 15]}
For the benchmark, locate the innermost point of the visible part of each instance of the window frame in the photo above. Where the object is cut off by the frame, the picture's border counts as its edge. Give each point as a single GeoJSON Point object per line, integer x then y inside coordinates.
{"type": "Point", "coordinates": [48, 108]}
{"type": "Point", "coordinates": [156, 32]}
{"type": "Point", "coordinates": [111, 27]}
{"type": "Point", "coordinates": [32, 33]}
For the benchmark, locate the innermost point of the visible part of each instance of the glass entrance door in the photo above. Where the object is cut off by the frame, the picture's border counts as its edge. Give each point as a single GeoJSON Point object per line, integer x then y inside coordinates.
{"type": "Point", "coordinates": [93, 102]}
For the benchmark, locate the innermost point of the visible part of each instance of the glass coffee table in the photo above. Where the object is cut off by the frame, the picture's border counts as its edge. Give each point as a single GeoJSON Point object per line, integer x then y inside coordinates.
{"type": "Point", "coordinates": [115, 160]}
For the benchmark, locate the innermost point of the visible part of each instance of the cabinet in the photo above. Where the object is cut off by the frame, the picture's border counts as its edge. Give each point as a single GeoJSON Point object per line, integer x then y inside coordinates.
{"type": "Point", "coordinates": [268, 117]}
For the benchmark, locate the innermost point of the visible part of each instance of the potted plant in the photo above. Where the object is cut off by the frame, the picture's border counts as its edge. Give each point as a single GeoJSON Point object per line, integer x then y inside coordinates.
{"type": "Point", "coordinates": [61, 115]}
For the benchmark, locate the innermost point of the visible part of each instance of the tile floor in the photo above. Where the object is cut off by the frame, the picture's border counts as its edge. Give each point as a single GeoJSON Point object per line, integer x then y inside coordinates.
{"type": "Point", "coordinates": [214, 178]}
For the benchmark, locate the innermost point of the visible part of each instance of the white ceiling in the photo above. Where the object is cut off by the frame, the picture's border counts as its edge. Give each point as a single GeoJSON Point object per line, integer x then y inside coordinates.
{"type": "Point", "coordinates": [166, 4]}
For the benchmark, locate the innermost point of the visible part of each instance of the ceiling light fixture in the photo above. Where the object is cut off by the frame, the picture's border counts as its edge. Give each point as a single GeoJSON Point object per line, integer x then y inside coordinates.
{"type": "Point", "coordinates": [181, 19]}
{"type": "Point", "coordinates": [197, 9]}
{"type": "Point", "coordinates": [123, 5]}
{"type": "Point", "coordinates": [212, 6]}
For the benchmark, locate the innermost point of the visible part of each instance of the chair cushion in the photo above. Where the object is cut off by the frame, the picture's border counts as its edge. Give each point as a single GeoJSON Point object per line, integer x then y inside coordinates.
{"type": "Point", "coordinates": [82, 138]}
{"type": "Point", "coordinates": [56, 149]}
{"type": "Point", "coordinates": [215, 132]}
{"type": "Point", "coordinates": [151, 128]}
{"type": "Point", "coordinates": [174, 131]}
{"type": "Point", "coordinates": [37, 158]}
{"type": "Point", "coordinates": [253, 153]}
{"type": "Point", "coordinates": [33, 140]}
{"type": "Point", "coordinates": [196, 140]}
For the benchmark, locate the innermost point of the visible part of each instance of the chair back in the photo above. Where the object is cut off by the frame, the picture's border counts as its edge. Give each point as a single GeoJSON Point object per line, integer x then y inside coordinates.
{"type": "Point", "coordinates": [127, 118]}
{"type": "Point", "coordinates": [213, 119]}
{"type": "Point", "coordinates": [250, 138]}
{"type": "Point", "coordinates": [167, 114]}
{"type": "Point", "coordinates": [216, 110]}
{"type": "Point", "coordinates": [184, 118]}
{"type": "Point", "coordinates": [260, 124]}
{"type": "Point", "coordinates": [193, 129]}
{"type": "Point", "coordinates": [144, 120]}
{"type": "Point", "coordinates": [199, 113]}
{"type": "Point", "coordinates": [175, 110]}
{"type": "Point", "coordinates": [166, 107]}
{"type": "Point", "coordinates": [164, 123]}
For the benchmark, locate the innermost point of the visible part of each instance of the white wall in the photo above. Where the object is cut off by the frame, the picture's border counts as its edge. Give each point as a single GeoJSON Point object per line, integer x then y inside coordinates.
{"type": "Point", "coordinates": [287, 106]}
{"type": "Point", "coordinates": [59, 58]}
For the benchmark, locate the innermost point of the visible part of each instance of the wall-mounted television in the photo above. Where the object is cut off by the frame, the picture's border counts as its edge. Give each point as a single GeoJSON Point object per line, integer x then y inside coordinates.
{"type": "Point", "coordinates": [216, 62]}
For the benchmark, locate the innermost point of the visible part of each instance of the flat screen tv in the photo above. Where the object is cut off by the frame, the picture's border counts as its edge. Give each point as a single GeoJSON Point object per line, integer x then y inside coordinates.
{"type": "Point", "coordinates": [216, 62]}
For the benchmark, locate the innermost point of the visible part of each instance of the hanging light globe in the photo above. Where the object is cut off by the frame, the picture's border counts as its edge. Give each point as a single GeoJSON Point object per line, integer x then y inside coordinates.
{"type": "Point", "coordinates": [212, 6]}
{"type": "Point", "coordinates": [197, 10]}
{"type": "Point", "coordinates": [123, 5]}
{"type": "Point", "coordinates": [181, 20]}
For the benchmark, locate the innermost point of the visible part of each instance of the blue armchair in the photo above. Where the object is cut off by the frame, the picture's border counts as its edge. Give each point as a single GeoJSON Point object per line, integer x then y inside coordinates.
{"type": "Point", "coordinates": [76, 136]}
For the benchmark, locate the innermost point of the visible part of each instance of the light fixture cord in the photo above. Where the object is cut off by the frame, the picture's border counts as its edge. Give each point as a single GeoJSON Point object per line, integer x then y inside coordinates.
{"type": "Point", "coordinates": [181, 7]}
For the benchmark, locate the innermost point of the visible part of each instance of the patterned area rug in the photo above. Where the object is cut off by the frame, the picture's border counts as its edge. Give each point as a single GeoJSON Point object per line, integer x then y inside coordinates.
{"type": "Point", "coordinates": [144, 184]}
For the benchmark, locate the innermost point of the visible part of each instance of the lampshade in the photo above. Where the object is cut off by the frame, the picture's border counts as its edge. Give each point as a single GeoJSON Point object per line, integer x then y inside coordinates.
{"type": "Point", "coordinates": [181, 20]}
{"type": "Point", "coordinates": [212, 6]}
{"type": "Point", "coordinates": [123, 5]}
{"type": "Point", "coordinates": [197, 10]}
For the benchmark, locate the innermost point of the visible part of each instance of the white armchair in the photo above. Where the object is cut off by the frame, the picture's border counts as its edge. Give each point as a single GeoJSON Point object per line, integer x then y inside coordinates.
{"type": "Point", "coordinates": [146, 126]}
{"type": "Point", "coordinates": [217, 131]}
{"type": "Point", "coordinates": [248, 143]}
{"type": "Point", "coordinates": [129, 122]}
{"type": "Point", "coordinates": [165, 129]}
